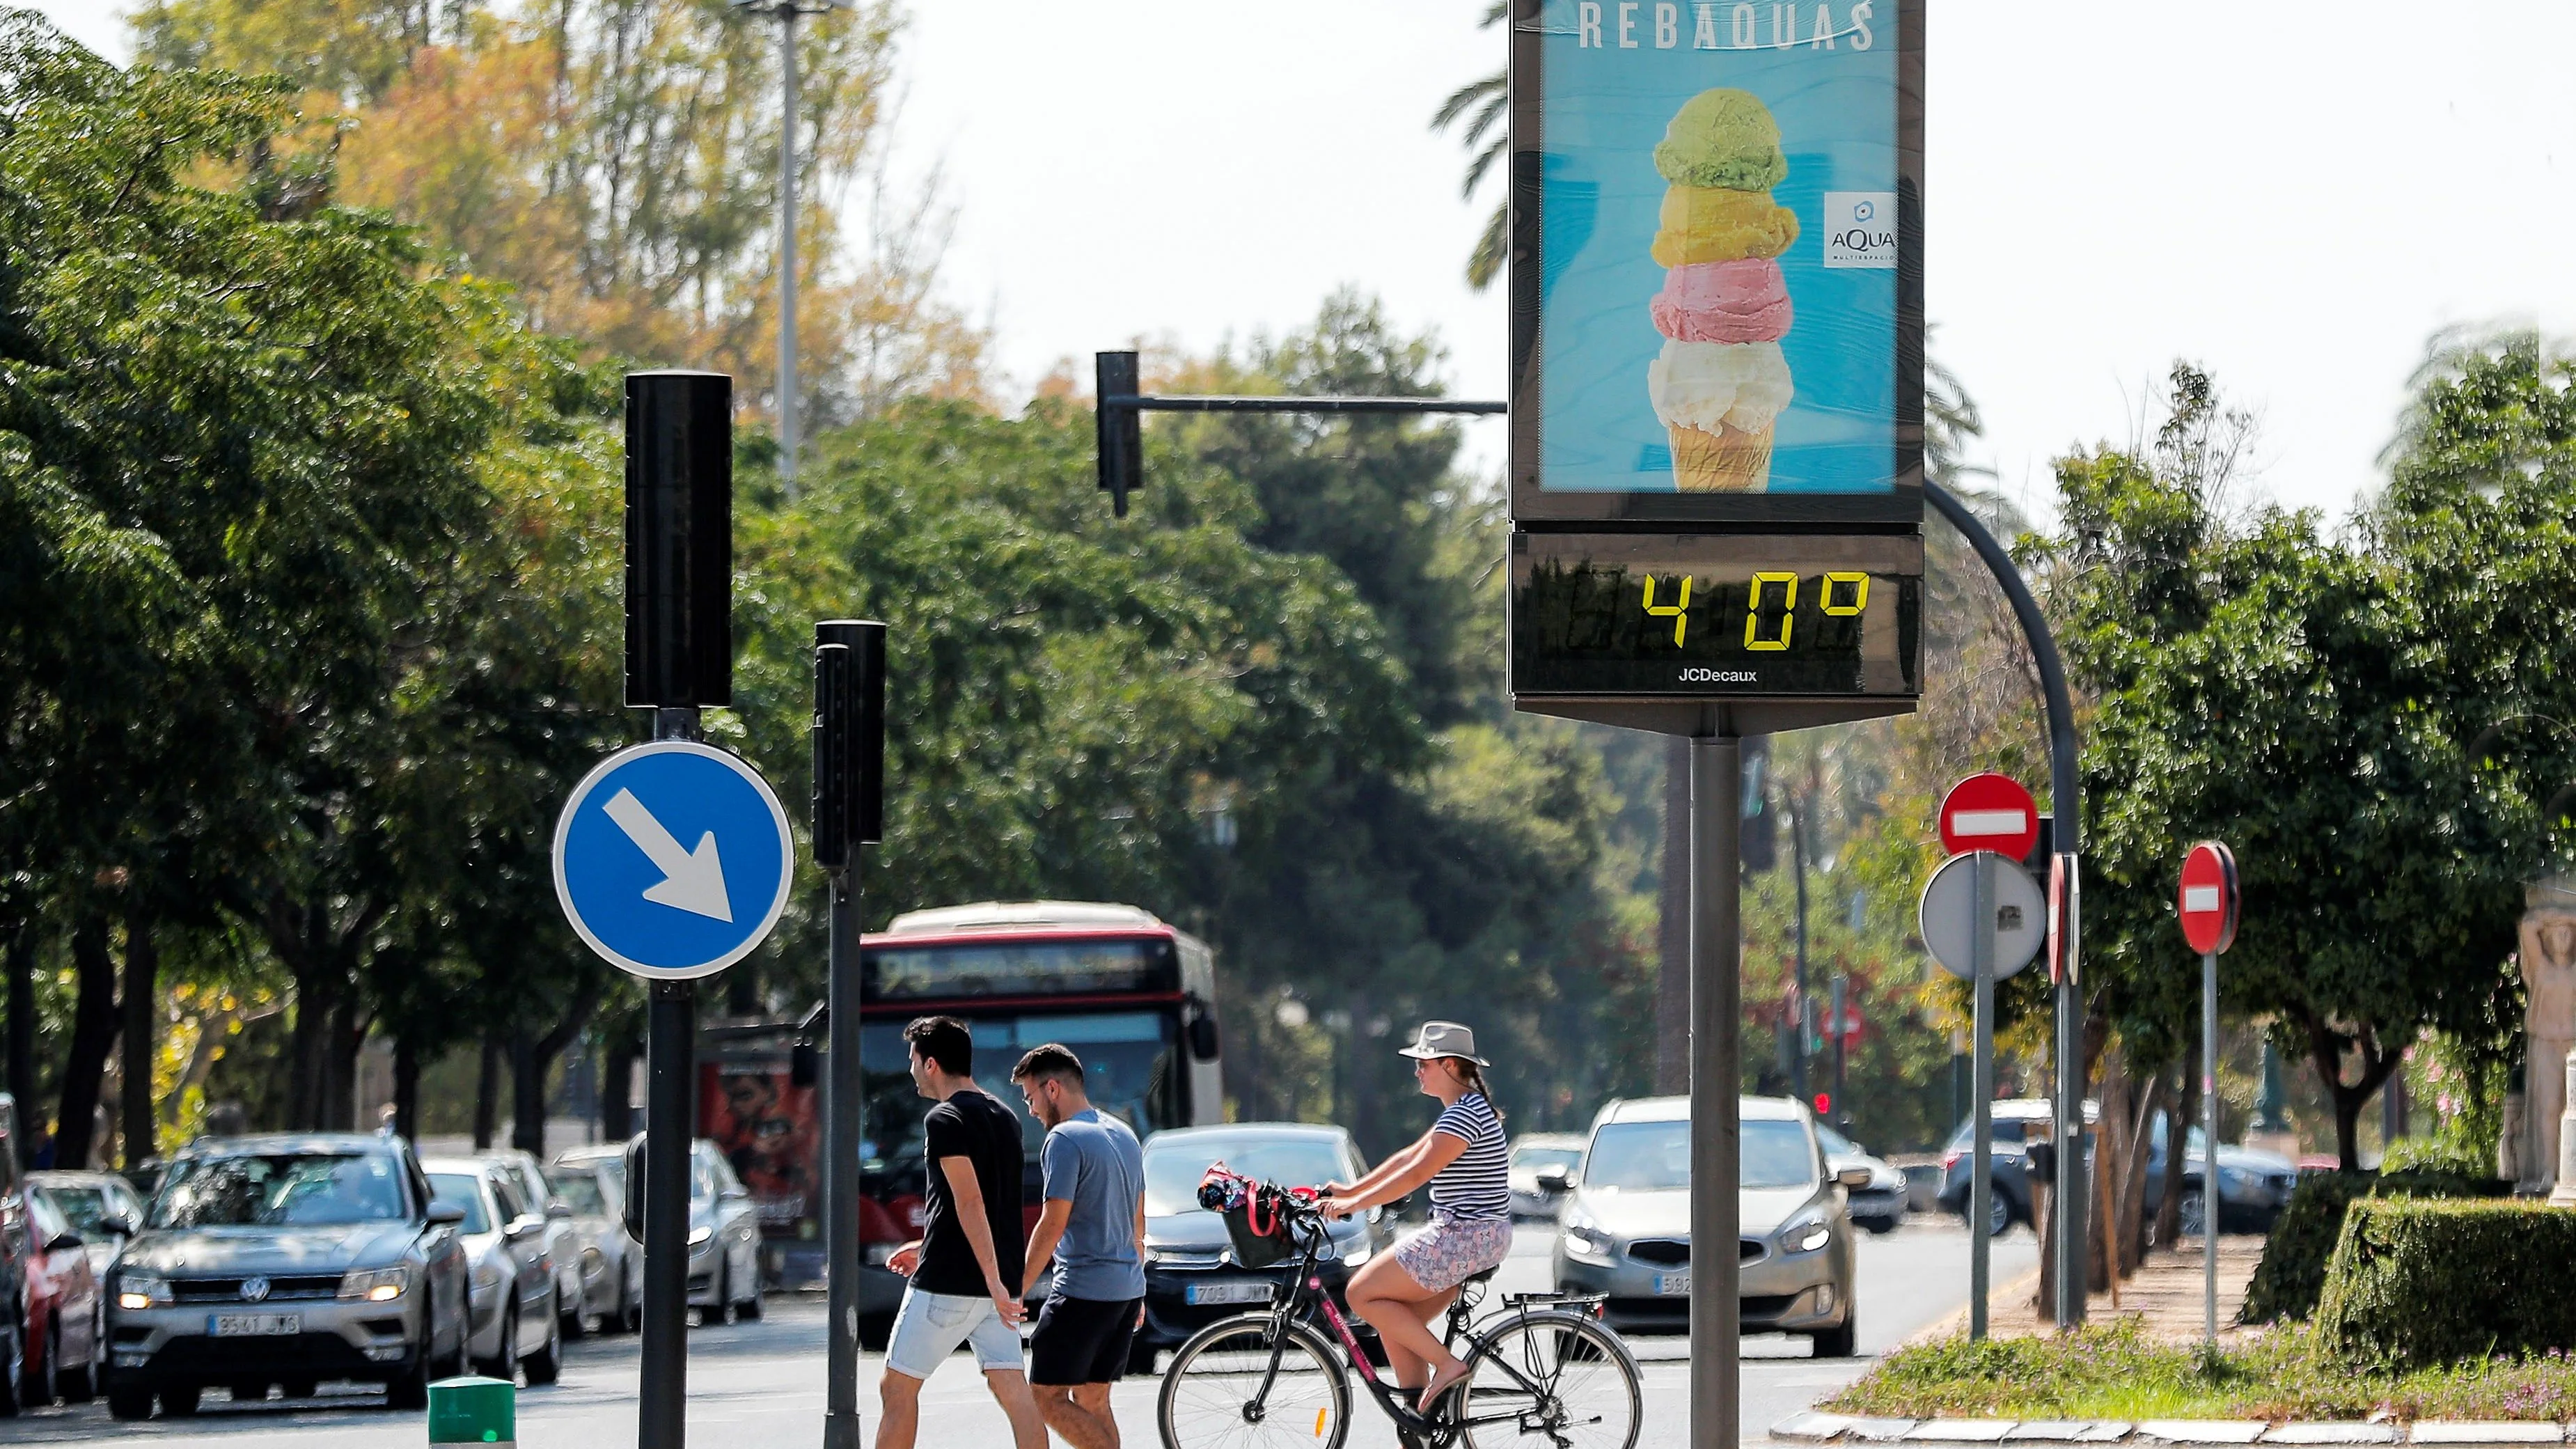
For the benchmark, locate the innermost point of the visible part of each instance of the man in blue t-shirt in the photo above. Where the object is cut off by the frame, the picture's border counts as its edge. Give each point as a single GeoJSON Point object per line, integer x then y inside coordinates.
{"type": "Point", "coordinates": [1093, 1225]}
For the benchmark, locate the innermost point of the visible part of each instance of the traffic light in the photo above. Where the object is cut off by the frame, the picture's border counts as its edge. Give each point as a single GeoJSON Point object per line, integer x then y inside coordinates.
{"type": "Point", "coordinates": [1825, 1104]}
{"type": "Point", "coordinates": [849, 738]}
{"type": "Point", "coordinates": [679, 539]}
{"type": "Point", "coordinates": [1119, 432]}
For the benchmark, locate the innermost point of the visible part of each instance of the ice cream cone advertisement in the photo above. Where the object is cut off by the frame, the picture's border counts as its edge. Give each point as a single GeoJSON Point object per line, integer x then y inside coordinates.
{"type": "Point", "coordinates": [1716, 261]}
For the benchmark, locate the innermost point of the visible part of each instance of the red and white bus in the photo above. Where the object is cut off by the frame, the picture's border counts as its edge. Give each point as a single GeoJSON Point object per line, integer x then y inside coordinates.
{"type": "Point", "coordinates": [1135, 998]}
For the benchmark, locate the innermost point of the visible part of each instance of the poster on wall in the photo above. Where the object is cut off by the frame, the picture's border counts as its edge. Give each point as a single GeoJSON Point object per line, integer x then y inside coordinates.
{"type": "Point", "coordinates": [1717, 261]}
{"type": "Point", "coordinates": [770, 1130]}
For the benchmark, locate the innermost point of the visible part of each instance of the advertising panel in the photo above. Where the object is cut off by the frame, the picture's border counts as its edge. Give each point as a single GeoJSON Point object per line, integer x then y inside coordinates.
{"type": "Point", "coordinates": [771, 1130]}
{"type": "Point", "coordinates": [1717, 261]}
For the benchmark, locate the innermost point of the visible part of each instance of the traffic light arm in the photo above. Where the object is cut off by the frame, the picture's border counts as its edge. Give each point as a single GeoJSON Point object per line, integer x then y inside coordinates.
{"type": "Point", "coordinates": [1121, 439]}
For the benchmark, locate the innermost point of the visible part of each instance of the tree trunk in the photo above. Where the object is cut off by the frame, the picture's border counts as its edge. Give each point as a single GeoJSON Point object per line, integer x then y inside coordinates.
{"type": "Point", "coordinates": [142, 996]}
{"type": "Point", "coordinates": [532, 1059]}
{"type": "Point", "coordinates": [406, 1090]}
{"type": "Point", "coordinates": [23, 945]}
{"type": "Point", "coordinates": [1672, 934]}
{"type": "Point", "coordinates": [347, 1034]}
{"type": "Point", "coordinates": [2177, 1141]}
{"type": "Point", "coordinates": [487, 1091]}
{"type": "Point", "coordinates": [2326, 1048]}
{"type": "Point", "coordinates": [2133, 1171]}
{"type": "Point", "coordinates": [93, 1035]}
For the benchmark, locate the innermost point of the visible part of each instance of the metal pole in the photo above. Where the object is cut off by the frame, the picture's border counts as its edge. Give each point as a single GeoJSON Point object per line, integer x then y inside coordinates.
{"type": "Point", "coordinates": [1842, 1043]}
{"type": "Point", "coordinates": [670, 1126]}
{"type": "Point", "coordinates": [787, 249]}
{"type": "Point", "coordinates": [841, 1168]}
{"type": "Point", "coordinates": [2209, 1164]}
{"type": "Point", "coordinates": [1981, 969]}
{"type": "Point", "coordinates": [1717, 787]}
{"type": "Point", "coordinates": [1806, 1013]}
{"type": "Point", "coordinates": [2067, 800]}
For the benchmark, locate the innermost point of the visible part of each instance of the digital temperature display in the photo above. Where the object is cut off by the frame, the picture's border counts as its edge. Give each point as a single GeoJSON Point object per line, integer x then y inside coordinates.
{"type": "Point", "coordinates": [1717, 615]}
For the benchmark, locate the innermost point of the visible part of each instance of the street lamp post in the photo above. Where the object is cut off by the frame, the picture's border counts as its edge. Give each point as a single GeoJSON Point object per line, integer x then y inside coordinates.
{"type": "Point", "coordinates": [786, 12]}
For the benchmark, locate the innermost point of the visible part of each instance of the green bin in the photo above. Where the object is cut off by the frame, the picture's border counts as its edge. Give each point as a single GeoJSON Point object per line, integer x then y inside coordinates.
{"type": "Point", "coordinates": [474, 1411]}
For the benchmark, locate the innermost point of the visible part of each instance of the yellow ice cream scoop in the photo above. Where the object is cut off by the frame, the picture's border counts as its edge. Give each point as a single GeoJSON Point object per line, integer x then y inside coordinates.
{"type": "Point", "coordinates": [1717, 224]}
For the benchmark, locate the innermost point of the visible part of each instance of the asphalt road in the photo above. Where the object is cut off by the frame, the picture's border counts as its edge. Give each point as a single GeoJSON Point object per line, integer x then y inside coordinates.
{"type": "Point", "coordinates": [759, 1385]}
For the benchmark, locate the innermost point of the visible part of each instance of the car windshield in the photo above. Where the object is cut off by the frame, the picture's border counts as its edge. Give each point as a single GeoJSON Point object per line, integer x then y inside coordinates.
{"type": "Point", "coordinates": [86, 1209]}
{"type": "Point", "coordinates": [461, 1190]}
{"type": "Point", "coordinates": [1531, 1159]}
{"type": "Point", "coordinates": [1657, 1155]}
{"type": "Point", "coordinates": [1835, 1143]}
{"type": "Point", "coordinates": [580, 1191]}
{"type": "Point", "coordinates": [1173, 1166]}
{"type": "Point", "coordinates": [286, 1189]}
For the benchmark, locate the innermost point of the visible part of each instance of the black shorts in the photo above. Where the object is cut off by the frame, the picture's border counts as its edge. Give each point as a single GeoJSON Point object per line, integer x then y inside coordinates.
{"type": "Point", "coordinates": [1081, 1341]}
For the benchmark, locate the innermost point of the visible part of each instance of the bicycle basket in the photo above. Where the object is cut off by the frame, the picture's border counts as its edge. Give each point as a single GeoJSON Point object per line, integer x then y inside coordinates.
{"type": "Point", "coordinates": [1256, 1217]}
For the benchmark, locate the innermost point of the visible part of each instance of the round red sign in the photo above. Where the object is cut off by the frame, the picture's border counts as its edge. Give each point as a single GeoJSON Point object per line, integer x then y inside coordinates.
{"type": "Point", "coordinates": [1989, 812]}
{"type": "Point", "coordinates": [2207, 903]}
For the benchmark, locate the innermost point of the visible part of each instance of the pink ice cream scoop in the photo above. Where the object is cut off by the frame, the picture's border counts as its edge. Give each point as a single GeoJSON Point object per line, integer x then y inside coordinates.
{"type": "Point", "coordinates": [1737, 301]}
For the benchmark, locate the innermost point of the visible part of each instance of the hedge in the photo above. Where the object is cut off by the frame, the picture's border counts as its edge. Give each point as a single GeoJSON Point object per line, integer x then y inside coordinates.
{"type": "Point", "coordinates": [2417, 1282]}
{"type": "Point", "coordinates": [2292, 1274]}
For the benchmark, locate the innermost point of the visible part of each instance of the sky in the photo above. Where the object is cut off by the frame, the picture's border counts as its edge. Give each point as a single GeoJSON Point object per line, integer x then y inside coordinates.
{"type": "Point", "coordinates": [2296, 197]}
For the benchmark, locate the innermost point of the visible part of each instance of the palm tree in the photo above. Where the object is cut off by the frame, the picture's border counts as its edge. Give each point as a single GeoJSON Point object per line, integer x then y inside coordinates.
{"type": "Point", "coordinates": [1489, 98]}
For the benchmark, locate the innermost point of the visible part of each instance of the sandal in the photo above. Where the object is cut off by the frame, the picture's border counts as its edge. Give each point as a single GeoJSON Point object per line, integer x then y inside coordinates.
{"type": "Point", "coordinates": [1440, 1384]}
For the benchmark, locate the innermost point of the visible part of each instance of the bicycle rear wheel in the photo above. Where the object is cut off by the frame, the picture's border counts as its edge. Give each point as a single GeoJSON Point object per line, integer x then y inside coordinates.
{"type": "Point", "coordinates": [1549, 1380]}
{"type": "Point", "coordinates": [1221, 1392]}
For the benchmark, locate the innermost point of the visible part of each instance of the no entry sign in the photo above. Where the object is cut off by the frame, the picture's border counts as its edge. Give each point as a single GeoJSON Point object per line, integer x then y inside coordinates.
{"type": "Point", "coordinates": [2208, 900]}
{"type": "Point", "coordinates": [1989, 812]}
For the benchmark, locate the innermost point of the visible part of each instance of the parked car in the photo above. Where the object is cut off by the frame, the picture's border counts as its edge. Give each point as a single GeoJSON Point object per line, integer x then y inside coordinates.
{"type": "Point", "coordinates": [1191, 1276]}
{"type": "Point", "coordinates": [1879, 1207]}
{"type": "Point", "coordinates": [613, 1276]}
{"type": "Point", "coordinates": [2009, 1200]}
{"type": "Point", "coordinates": [724, 1240]}
{"type": "Point", "coordinates": [2253, 1185]}
{"type": "Point", "coordinates": [1543, 1166]}
{"type": "Point", "coordinates": [515, 1323]}
{"type": "Point", "coordinates": [13, 1255]}
{"type": "Point", "coordinates": [287, 1260]}
{"type": "Point", "coordinates": [64, 1311]}
{"type": "Point", "coordinates": [571, 1246]}
{"type": "Point", "coordinates": [1626, 1229]}
{"type": "Point", "coordinates": [99, 1206]}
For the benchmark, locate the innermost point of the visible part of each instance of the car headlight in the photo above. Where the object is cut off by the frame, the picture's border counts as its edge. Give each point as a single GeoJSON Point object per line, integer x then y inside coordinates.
{"type": "Point", "coordinates": [700, 1234]}
{"type": "Point", "coordinates": [1585, 1243]}
{"type": "Point", "coordinates": [142, 1290]}
{"type": "Point", "coordinates": [1806, 1232]}
{"type": "Point", "coordinates": [379, 1285]}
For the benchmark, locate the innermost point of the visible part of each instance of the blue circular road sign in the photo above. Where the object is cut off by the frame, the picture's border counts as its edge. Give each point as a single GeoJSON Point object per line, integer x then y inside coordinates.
{"type": "Point", "coordinates": [673, 859]}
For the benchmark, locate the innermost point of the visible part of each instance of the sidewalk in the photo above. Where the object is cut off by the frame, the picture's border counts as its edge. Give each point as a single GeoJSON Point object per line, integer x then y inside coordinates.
{"type": "Point", "coordinates": [2165, 1294]}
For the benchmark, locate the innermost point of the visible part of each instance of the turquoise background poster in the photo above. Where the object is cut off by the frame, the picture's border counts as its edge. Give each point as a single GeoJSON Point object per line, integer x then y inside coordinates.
{"type": "Point", "coordinates": [1725, 385]}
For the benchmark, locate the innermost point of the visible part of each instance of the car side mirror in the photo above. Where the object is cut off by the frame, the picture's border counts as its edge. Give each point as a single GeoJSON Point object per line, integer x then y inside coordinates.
{"type": "Point", "coordinates": [122, 1225]}
{"type": "Point", "coordinates": [1554, 1178]}
{"type": "Point", "coordinates": [524, 1227]}
{"type": "Point", "coordinates": [64, 1242]}
{"type": "Point", "coordinates": [445, 1215]}
{"type": "Point", "coordinates": [1852, 1176]}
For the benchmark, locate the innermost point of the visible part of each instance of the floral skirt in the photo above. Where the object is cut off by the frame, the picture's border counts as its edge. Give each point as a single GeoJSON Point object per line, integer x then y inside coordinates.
{"type": "Point", "coordinates": [1449, 1252]}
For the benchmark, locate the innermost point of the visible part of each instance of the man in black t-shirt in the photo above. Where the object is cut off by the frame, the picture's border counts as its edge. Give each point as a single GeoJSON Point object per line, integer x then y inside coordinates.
{"type": "Point", "coordinates": [965, 1267]}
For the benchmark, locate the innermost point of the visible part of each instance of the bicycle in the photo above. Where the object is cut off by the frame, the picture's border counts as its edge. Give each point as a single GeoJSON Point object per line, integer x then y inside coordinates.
{"type": "Point", "coordinates": [1542, 1370]}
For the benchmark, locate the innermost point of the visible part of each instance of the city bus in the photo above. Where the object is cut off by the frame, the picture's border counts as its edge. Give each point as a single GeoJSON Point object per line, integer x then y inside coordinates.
{"type": "Point", "coordinates": [1134, 997]}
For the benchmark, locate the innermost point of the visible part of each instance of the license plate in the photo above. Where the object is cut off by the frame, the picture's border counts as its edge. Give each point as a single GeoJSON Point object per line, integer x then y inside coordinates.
{"type": "Point", "coordinates": [1672, 1285]}
{"type": "Point", "coordinates": [1241, 1290]}
{"type": "Point", "coordinates": [253, 1325]}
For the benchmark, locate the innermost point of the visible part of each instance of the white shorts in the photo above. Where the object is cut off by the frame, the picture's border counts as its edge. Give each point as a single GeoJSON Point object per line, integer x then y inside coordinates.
{"type": "Point", "coordinates": [929, 1326]}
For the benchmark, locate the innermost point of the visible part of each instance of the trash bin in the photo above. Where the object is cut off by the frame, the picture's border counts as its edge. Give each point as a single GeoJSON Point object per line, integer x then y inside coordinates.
{"type": "Point", "coordinates": [474, 1411]}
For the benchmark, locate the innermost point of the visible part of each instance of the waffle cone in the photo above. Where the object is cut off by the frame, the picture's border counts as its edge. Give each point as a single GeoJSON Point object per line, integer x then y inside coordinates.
{"type": "Point", "coordinates": [1726, 461]}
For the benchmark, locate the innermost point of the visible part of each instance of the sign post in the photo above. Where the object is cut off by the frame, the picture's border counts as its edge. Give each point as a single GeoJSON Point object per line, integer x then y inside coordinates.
{"type": "Point", "coordinates": [1716, 445]}
{"type": "Point", "coordinates": [1982, 919]}
{"type": "Point", "coordinates": [849, 810]}
{"type": "Point", "coordinates": [2207, 905]}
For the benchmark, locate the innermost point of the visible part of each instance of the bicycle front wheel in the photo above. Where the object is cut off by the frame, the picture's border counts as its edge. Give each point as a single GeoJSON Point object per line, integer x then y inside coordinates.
{"type": "Point", "coordinates": [1550, 1380]}
{"type": "Point", "coordinates": [1250, 1382]}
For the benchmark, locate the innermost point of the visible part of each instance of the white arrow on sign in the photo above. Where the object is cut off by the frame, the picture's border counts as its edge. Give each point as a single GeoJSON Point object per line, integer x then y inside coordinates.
{"type": "Point", "coordinates": [692, 880]}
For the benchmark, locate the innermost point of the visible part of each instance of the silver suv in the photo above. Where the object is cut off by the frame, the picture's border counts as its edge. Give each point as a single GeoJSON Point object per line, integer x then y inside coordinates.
{"type": "Point", "coordinates": [286, 1260]}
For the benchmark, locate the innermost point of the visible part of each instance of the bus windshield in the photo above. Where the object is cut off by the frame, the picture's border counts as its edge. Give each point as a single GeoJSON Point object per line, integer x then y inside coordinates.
{"type": "Point", "coordinates": [1130, 1059]}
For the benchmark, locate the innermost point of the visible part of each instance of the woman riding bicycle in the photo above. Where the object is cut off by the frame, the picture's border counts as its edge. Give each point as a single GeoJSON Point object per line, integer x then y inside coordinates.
{"type": "Point", "coordinates": [1464, 1159]}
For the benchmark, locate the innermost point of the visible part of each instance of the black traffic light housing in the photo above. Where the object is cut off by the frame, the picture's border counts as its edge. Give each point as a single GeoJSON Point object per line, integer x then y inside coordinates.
{"type": "Point", "coordinates": [849, 738]}
{"type": "Point", "coordinates": [679, 539]}
{"type": "Point", "coordinates": [1120, 428]}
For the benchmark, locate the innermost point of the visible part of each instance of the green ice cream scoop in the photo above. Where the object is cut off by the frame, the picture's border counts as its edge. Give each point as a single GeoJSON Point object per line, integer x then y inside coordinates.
{"type": "Point", "coordinates": [1722, 138]}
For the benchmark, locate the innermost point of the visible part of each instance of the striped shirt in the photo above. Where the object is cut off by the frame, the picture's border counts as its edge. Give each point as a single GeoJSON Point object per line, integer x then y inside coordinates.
{"type": "Point", "coordinates": [1477, 1187]}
